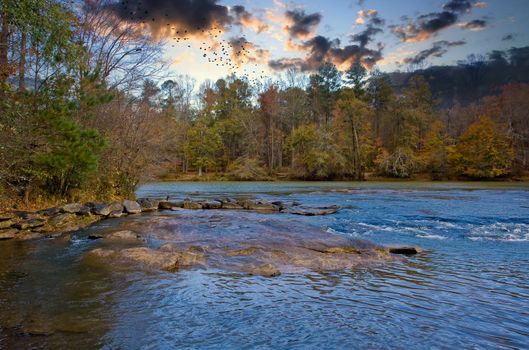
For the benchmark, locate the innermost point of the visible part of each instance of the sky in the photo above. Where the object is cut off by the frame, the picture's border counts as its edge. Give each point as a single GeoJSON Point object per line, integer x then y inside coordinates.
{"type": "Point", "coordinates": [209, 39]}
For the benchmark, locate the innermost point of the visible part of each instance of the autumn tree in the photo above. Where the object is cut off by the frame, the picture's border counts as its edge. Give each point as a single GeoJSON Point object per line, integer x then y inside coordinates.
{"type": "Point", "coordinates": [483, 151]}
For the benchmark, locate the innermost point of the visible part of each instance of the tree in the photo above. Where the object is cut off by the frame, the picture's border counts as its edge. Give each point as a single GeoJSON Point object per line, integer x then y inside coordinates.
{"type": "Point", "coordinates": [434, 155]}
{"type": "Point", "coordinates": [353, 114]}
{"type": "Point", "coordinates": [202, 146]}
{"type": "Point", "coordinates": [356, 77]}
{"type": "Point", "coordinates": [323, 88]}
{"type": "Point", "coordinates": [483, 151]}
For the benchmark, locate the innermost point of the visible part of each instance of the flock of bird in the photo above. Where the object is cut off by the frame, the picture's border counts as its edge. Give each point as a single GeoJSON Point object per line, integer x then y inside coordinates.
{"type": "Point", "coordinates": [234, 55]}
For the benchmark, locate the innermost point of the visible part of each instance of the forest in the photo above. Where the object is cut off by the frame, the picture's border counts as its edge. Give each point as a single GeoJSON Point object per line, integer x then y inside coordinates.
{"type": "Point", "coordinates": [88, 109]}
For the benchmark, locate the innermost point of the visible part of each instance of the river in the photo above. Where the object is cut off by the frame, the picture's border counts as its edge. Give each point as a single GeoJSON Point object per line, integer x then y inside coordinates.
{"type": "Point", "coordinates": [468, 288]}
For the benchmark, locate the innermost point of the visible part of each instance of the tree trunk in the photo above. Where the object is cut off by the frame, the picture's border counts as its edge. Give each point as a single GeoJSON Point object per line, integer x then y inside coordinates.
{"type": "Point", "coordinates": [199, 171]}
{"type": "Point", "coordinates": [356, 154]}
{"type": "Point", "coordinates": [4, 36]}
{"type": "Point", "coordinates": [22, 63]}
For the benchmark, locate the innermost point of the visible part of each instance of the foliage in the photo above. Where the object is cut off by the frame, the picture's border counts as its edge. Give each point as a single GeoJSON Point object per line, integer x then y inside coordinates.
{"type": "Point", "coordinates": [483, 151]}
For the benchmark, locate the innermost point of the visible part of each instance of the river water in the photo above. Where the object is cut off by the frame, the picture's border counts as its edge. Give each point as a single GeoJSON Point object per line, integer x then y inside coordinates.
{"type": "Point", "coordinates": [469, 288]}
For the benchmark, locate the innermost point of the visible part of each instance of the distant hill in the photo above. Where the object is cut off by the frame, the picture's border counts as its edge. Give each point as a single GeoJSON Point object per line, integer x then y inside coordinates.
{"type": "Point", "coordinates": [472, 79]}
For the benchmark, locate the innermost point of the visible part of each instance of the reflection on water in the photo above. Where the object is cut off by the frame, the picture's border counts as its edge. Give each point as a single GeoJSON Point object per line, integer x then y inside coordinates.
{"type": "Point", "coordinates": [468, 289]}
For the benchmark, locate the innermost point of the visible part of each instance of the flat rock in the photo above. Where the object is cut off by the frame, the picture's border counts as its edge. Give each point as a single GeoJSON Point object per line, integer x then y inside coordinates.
{"type": "Point", "coordinates": [62, 220]}
{"type": "Point", "coordinates": [131, 207]}
{"type": "Point", "coordinates": [29, 224]}
{"type": "Point", "coordinates": [71, 208]}
{"type": "Point", "coordinates": [123, 235]}
{"type": "Point", "coordinates": [8, 234]}
{"type": "Point", "coordinates": [5, 217]}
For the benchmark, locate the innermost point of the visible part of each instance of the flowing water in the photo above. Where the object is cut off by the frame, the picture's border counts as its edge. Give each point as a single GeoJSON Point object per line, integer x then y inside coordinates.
{"type": "Point", "coordinates": [469, 288]}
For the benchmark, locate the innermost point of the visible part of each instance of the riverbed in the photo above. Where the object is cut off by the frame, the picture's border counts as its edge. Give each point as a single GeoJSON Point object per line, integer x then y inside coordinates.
{"type": "Point", "coordinates": [468, 288]}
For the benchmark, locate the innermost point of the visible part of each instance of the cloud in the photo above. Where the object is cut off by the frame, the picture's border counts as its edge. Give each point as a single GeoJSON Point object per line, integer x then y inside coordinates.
{"type": "Point", "coordinates": [245, 19]}
{"type": "Point", "coordinates": [301, 25]}
{"type": "Point", "coordinates": [373, 27]}
{"type": "Point", "coordinates": [460, 6]}
{"type": "Point", "coordinates": [474, 25]}
{"type": "Point", "coordinates": [438, 49]}
{"type": "Point", "coordinates": [244, 51]}
{"type": "Point", "coordinates": [321, 49]}
{"type": "Point", "coordinates": [425, 27]}
{"type": "Point", "coordinates": [166, 17]}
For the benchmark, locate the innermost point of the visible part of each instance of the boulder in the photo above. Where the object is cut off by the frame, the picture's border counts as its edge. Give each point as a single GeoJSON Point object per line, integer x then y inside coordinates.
{"type": "Point", "coordinates": [8, 234]}
{"type": "Point", "coordinates": [148, 204]}
{"type": "Point", "coordinates": [404, 250]}
{"type": "Point", "coordinates": [99, 209]}
{"type": "Point", "coordinates": [212, 205]}
{"type": "Point", "coordinates": [5, 224]}
{"type": "Point", "coordinates": [131, 207]}
{"type": "Point", "coordinates": [85, 211]}
{"type": "Point", "coordinates": [116, 206]}
{"type": "Point", "coordinates": [71, 208]}
{"type": "Point", "coordinates": [167, 205]}
{"type": "Point", "coordinates": [188, 204]}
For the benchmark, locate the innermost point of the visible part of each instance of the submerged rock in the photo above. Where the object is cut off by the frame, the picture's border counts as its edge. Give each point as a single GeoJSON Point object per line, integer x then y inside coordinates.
{"type": "Point", "coordinates": [314, 211]}
{"type": "Point", "coordinates": [123, 235]}
{"type": "Point", "coordinates": [265, 270]}
{"type": "Point", "coordinates": [152, 258]}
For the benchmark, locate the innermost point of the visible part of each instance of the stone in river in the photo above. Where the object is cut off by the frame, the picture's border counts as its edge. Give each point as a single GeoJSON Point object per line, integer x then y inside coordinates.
{"type": "Point", "coordinates": [131, 207]}
{"type": "Point", "coordinates": [212, 205]}
{"type": "Point", "coordinates": [148, 204]}
{"type": "Point", "coordinates": [192, 205]}
{"type": "Point", "coordinates": [404, 250]}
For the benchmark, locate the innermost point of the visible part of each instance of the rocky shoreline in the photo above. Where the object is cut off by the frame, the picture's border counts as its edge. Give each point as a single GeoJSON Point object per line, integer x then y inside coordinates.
{"type": "Point", "coordinates": [53, 222]}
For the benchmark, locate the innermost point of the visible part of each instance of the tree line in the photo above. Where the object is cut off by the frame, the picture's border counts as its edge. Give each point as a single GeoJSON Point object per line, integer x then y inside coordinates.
{"type": "Point", "coordinates": [87, 111]}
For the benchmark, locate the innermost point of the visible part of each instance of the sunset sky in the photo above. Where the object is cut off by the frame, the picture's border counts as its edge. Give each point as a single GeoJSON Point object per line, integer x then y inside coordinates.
{"type": "Point", "coordinates": [262, 37]}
